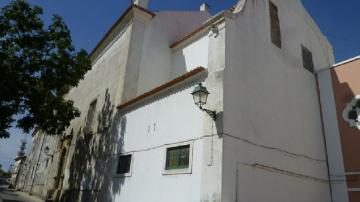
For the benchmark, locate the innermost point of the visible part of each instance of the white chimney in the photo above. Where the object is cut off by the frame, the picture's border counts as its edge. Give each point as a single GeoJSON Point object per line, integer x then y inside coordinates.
{"type": "Point", "coordinates": [141, 3]}
{"type": "Point", "coordinates": [204, 7]}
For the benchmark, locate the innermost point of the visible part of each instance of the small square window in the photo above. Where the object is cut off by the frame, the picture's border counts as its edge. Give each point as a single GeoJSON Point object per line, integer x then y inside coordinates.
{"type": "Point", "coordinates": [177, 157]}
{"type": "Point", "coordinates": [124, 164]}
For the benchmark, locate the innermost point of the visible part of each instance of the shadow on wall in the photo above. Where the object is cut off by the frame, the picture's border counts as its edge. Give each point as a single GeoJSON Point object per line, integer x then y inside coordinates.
{"type": "Point", "coordinates": [219, 123]}
{"type": "Point", "coordinates": [180, 67]}
{"type": "Point", "coordinates": [91, 176]}
{"type": "Point", "coordinates": [342, 92]}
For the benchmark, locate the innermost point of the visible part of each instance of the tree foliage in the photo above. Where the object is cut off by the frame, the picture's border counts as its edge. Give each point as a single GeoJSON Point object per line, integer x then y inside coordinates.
{"type": "Point", "coordinates": [3, 173]}
{"type": "Point", "coordinates": [38, 66]}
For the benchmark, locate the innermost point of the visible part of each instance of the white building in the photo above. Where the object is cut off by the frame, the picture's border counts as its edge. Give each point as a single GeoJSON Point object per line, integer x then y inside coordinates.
{"type": "Point", "coordinates": [142, 138]}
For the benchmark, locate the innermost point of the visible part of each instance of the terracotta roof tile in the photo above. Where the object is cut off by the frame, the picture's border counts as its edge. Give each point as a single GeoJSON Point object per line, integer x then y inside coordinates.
{"type": "Point", "coordinates": [161, 87]}
{"type": "Point", "coordinates": [191, 34]}
{"type": "Point", "coordinates": [199, 29]}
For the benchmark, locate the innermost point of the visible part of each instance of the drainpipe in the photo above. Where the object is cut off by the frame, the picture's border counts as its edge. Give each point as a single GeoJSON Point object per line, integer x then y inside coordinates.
{"type": "Point", "coordinates": [323, 132]}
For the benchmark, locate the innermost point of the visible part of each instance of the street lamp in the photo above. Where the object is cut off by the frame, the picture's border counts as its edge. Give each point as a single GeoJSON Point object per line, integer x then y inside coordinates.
{"type": "Point", "coordinates": [200, 95]}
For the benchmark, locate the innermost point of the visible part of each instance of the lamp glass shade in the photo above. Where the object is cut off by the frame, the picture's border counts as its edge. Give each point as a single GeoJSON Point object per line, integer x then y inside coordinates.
{"type": "Point", "coordinates": [203, 98]}
{"type": "Point", "coordinates": [200, 95]}
{"type": "Point", "coordinates": [196, 97]}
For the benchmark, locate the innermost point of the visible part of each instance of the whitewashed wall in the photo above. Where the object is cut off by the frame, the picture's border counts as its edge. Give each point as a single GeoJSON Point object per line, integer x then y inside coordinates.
{"type": "Point", "coordinates": [107, 73]}
{"type": "Point", "coordinates": [271, 108]}
{"type": "Point", "coordinates": [136, 60]}
{"type": "Point", "coordinates": [191, 56]}
{"type": "Point", "coordinates": [207, 49]}
{"type": "Point", "coordinates": [173, 118]}
{"type": "Point", "coordinates": [156, 61]}
{"type": "Point", "coordinates": [145, 131]}
{"type": "Point", "coordinates": [212, 170]}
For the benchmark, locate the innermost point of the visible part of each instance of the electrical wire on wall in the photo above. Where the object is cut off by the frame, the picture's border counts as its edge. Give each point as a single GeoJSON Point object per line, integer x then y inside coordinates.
{"type": "Point", "coordinates": [285, 152]}
{"type": "Point", "coordinates": [163, 145]}
{"type": "Point", "coordinates": [283, 172]}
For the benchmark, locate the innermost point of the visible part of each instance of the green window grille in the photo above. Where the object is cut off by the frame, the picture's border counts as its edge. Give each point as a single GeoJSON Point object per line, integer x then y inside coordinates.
{"type": "Point", "coordinates": [177, 157]}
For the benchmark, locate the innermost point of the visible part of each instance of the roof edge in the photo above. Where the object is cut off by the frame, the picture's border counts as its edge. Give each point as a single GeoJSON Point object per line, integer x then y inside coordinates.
{"type": "Point", "coordinates": [118, 21]}
{"type": "Point", "coordinates": [207, 23]}
{"type": "Point", "coordinates": [347, 61]}
{"type": "Point", "coordinates": [161, 88]}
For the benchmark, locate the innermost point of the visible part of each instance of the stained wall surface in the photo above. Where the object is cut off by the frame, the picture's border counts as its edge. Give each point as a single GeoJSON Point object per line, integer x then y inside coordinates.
{"type": "Point", "coordinates": [273, 140]}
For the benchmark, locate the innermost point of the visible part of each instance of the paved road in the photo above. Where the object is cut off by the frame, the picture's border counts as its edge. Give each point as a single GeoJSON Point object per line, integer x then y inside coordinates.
{"type": "Point", "coordinates": [7, 195]}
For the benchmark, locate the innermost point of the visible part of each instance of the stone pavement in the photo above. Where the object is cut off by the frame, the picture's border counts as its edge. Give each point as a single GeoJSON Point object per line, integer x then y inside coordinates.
{"type": "Point", "coordinates": [9, 195]}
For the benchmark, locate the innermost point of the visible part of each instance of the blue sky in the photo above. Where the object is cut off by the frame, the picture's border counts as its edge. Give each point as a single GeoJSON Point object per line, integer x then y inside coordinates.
{"type": "Point", "coordinates": [89, 20]}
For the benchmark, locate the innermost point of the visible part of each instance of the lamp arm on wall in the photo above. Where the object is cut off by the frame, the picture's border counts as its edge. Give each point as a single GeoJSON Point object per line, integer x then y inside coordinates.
{"type": "Point", "coordinates": [212, 114]}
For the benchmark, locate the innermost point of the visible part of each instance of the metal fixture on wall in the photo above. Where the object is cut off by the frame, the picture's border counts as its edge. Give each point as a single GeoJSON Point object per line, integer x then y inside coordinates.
{"type": "Point", "coordinates": [215, 30]}
{"type": "Point", "coordinates": [200, 95]}
{"type": "Point", "coordinates": [351, 114]}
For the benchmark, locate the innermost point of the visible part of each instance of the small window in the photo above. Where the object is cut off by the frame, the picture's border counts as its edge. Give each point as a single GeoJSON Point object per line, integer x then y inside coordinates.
{"type": "Point", "coordinates": [91, 112]}
{"type": "Point", "coordinates": [177, 157]}
{"type": "Point", "coordinates": [124, 164]}
{"type": "Point", "coordinates": [275, 25]}
{"type": "Point", "coordinates": [90, 116]}
{"type": "Point", "coordinates": [307, 59]}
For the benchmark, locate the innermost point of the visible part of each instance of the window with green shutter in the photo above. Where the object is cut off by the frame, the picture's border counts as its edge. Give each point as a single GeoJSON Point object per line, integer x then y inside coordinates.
{"type": "Point", "coordinates": [177, 157]}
